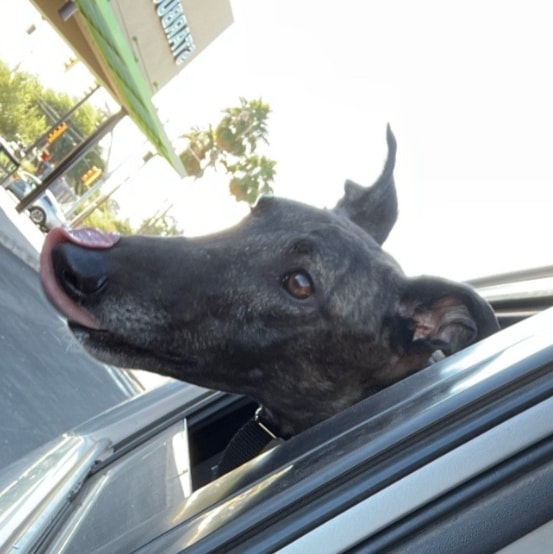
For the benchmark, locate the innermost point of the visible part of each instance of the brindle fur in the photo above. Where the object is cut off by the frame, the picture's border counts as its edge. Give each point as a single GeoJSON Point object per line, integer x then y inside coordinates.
{"type": "Point", "coordinates": [213, 311]}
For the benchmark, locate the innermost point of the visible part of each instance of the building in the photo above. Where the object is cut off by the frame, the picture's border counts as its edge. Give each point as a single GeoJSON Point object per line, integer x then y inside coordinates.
{"type": "Point", "coordinates": [135, 48]}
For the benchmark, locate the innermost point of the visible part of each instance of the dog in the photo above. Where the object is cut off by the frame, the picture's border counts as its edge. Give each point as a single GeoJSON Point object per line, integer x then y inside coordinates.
{"type": "Point", "coordinates": [296, 307]}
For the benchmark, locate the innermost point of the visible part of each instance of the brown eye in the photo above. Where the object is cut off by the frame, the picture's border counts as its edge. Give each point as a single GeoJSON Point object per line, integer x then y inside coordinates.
{"type": "Point", "coordinates": [298, 284]}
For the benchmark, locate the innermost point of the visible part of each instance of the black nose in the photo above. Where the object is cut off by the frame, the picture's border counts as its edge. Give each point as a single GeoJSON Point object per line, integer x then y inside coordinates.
{"type": "Point", "coordinates": [81, 272]}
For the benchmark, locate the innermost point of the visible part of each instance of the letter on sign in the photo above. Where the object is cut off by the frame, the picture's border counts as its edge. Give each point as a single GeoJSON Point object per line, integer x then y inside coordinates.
{"type": "Point", "coordinates": [175, 27]}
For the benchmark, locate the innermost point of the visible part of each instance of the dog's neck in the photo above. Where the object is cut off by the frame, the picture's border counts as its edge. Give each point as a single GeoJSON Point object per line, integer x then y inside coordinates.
{"type": "Point", "coordinates": [286, 419]}
{"type": "Point", "coordinates": [287, 422]}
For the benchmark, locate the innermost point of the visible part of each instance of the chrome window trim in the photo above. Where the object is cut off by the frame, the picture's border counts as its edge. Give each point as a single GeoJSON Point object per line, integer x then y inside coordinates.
{"type": "Point", "coordinates": [35, 489]}
{"type": "Point", "coordinates": [36, 495]}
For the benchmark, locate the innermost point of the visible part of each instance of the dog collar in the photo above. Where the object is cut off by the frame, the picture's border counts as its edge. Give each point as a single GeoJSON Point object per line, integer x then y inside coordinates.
{"type": "Point", "coordinates": [249, 441]}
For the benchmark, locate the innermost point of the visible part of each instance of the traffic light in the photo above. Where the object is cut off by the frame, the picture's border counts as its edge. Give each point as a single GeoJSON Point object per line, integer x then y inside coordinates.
{"type": "Point", "coordinates": [89, 176]}
{"type": "Point", "coordinates": [56, 132]}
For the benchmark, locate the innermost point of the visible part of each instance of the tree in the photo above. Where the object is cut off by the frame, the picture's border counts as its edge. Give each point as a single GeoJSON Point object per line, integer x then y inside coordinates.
{"type": "Point", "coordinates": [20, 117]}
{"type": "Point", "coordinates": [161, 224]}
{"type": "Point", "coordinates": [106, 217]}
{"type": "Point", "coordinates": [28, 111]}
{"type": "Point", "coordinates": [233, 144]}
{"type": "Point", "coordinates": [82, 123]}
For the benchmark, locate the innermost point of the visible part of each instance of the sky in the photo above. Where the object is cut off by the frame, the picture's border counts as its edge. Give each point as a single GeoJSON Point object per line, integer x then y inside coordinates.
{"type": "Point", "coordinates": [466, 86]}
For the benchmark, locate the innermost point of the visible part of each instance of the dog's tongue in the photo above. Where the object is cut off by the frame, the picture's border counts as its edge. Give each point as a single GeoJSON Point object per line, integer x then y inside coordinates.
{"type": "Point", "coordinates": [85, 238]}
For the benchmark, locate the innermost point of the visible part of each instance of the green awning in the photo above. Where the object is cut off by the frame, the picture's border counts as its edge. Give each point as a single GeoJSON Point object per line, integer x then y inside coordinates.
{"type": "Point", "coordinates": [132, 90]}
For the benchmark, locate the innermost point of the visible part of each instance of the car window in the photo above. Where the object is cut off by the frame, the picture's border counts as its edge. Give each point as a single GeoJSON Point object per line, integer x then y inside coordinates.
{"type": "Point", "coordinates": [47, 201]}
{"type": "Point", "coordinates": [18, 187]}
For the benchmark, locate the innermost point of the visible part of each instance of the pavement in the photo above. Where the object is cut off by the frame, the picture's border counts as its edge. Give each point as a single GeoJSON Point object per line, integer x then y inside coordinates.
{"type": "Point", "coordinates": [49, 384]}
{"type": "Point", "coordinates": [18, 233]}
{"type": "Point", "coordinates": [22, 237]}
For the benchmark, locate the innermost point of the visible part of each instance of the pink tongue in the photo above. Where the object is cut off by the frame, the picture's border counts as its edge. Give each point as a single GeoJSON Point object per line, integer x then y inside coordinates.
{"type": "Point", "coordinates": [86, 238]}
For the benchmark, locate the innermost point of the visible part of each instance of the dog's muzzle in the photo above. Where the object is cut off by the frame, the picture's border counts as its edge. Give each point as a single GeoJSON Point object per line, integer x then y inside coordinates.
{"type": "Point", "coordinates": [72, 269]}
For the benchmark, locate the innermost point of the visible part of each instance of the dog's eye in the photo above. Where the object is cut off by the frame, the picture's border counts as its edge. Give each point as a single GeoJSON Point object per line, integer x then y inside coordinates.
{"type": "Point", "coordinates": [298, 284]}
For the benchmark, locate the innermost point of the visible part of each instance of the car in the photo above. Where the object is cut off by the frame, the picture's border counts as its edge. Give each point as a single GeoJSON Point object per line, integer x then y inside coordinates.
{"type": "Point", "coordinates": [455, 458]}
{"type": "Point", "coordinates": [44, 211]}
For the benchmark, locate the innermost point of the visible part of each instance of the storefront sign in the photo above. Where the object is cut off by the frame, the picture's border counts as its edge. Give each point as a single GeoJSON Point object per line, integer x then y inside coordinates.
{"type": "Point", "coordinates": [175, 27]}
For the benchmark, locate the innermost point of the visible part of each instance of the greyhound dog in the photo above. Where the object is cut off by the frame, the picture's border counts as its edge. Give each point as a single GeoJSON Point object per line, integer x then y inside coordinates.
{"type": "Point", "coordinates": [296, 307]}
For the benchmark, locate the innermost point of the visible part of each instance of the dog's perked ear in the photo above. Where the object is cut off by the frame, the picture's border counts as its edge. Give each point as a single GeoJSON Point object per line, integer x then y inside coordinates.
{"type": "Point", "coordinates": [374, 209]}
{"type": "Point", "coordinates": [435, 315]}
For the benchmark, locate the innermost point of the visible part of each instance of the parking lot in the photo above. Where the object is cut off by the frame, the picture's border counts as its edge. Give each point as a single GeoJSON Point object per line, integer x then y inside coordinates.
{"type": "Point", "coordinates": [48, 384]}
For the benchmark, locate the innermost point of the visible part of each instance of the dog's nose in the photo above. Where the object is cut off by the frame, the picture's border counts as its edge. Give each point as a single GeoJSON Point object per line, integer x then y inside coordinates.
{"type": "Point", "coordinates": [79, 271]}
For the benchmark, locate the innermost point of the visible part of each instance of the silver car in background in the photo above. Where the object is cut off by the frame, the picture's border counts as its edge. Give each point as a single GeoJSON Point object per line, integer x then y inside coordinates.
{"type": "Point", "coordinates": [44, 211]}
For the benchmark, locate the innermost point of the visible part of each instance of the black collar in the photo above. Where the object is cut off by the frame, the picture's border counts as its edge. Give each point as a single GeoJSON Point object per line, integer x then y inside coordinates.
{"type": "Point", "coordinates": [247, 443]}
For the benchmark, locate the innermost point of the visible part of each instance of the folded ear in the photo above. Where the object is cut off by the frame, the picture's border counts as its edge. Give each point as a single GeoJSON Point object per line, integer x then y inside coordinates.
{"type": "Point", "coordinates": [374, 209]}
{"type": "Point", "coordinates": [435, 318]}
{"type": "Point", "coordinates": [439, 314]}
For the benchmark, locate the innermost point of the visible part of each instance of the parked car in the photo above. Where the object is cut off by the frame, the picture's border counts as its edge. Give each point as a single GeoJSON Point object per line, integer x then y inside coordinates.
{"type": "Point", "coordinates": [44, 211]}
{"type": "Point", "coordinates": [456, 458]}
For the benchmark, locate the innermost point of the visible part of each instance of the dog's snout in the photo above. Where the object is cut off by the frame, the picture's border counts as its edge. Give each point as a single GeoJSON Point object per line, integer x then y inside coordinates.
{"type": "Point", "coordinates": [79, 271]}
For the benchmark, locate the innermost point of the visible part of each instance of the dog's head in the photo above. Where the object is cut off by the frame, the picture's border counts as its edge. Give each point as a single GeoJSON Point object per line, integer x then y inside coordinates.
{"type": "Point", "coordinates": [299, 308]}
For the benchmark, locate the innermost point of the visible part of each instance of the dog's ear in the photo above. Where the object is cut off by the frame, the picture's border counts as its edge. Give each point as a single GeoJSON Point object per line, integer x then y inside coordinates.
{"type": "Point", "coordinates": [374, 209]}
{"type": "Point", "coordinates": [436, 313]}
{"type": "Point", "coordinates": [436, 316]}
